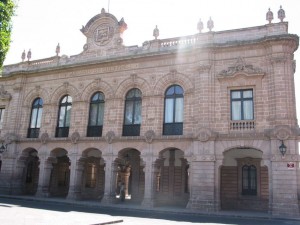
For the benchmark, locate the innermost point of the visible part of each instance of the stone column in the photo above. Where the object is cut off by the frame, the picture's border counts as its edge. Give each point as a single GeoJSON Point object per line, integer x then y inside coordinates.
{"type": "Point", "coordinates": [126, 175]}
{"type": "Point", "coordinates": [110, 180]}
{"type": "Point", "coordinates": [284, 193]}
{"type": "Point", "coordinates": [148, 200]}
{"type": "Point", "coordinates": [76, 170]}
{"type": "Point", "coordinates": [218, 165]}
{"type": "Point", "coordinates": [202, 181]}
{"type": "Point", "coordinates": [76, 174]}
{"type": "Point", "coordinates": [44, 176]}
{"type": "Point", "coordinates": [18, 182]}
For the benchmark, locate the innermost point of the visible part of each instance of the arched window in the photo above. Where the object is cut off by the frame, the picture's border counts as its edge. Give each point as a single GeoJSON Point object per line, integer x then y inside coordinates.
{"type": "Point", "coordinates": [64, 115]}
{"type": "Point", "coordinates": [249, 180]}
{"type": "Point", "coordinates": [35, 118]}
{"type": "Point", "coordinates": [96, 115]}
{"type": "Point", "coordinates": [133, 113]}
{"type": "Point", "coordinates": [173, 118]}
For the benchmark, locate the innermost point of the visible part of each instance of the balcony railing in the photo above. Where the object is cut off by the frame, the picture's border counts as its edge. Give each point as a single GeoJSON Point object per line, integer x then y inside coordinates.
{"type": "Point", "coordinates": [173, 129]}
{"type": "Point", "coordinates": [94, 131]}
{"type": "Point", "coordinates": [242, 125]}
{"type": "Point", "coordinates": [62, 132]}
{"type": "Point", "coordinates": [131, 130]}
{"type": "Point", "coordinates": [33, 132]}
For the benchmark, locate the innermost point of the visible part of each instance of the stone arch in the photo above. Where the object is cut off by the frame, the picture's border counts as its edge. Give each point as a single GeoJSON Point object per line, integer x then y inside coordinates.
{"type": "Point", "coordinates": [173, 78]}
{"type": "Point", "coordinates": [97, 85]}
{"type": "Point", "coordinates": [60, 175]}
{"type": "Point", "coordinates": [65, 89]}
{"type": "Point", "coordinates": [133, 82]}
{"type": "Point", "coordinates": [240, 152]}
{"type": "Point", "coordinates": [36, 93]}
{"type": "Point", "coordinates": [241, 189]}
{"type": "Point", "coordinates": [28, 166]}
{"type": "Point", "coordinates": [91, 152]}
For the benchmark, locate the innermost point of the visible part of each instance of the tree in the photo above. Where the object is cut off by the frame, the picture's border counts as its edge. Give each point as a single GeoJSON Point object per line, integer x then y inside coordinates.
{"type": "Point", "coordinates": [6, 12]}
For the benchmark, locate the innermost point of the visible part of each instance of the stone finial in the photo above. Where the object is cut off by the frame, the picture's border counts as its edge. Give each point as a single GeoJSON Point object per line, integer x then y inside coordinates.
{"type": "Point", "coordinates": [29, 54]}
{"type": "Point", "coordinates": [200, 26]}
{"type": "Point", "coordinates": [23, 56]}
{"type": "Point", "coordinates": [269, 16]}
{"type": "Point", "coordinates": [57, 50]}
{"type": "Point", "coordinates": [102, 10]}
{"type": "Point", "coordinates": [281, 14]}
{"type": "Point", "coordinates": [122, 25]}
{"type": "Point", "coordinates": [155, 32]}
{"type": "Point", "coordinates": [210, 24]}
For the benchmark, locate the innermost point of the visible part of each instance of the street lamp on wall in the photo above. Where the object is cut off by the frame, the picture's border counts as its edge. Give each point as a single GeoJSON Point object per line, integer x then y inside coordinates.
{"type": "Point", "coordinates": [282, 148]}
{"type": "Point", "coordinates": [3, 148]}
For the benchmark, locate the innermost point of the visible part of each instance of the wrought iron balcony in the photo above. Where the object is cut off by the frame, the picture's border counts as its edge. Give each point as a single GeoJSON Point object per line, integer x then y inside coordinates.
{"type": "Point", "coordinates": [131, 130]}
{"type": "Point", "coordinates": [33, 132]}
{"type": "Point", "coordinates": [94, 131]}
{"type": "Point", "coordinates": [172, 128]}
{"type": "Point", "coordinates": [62, 132]}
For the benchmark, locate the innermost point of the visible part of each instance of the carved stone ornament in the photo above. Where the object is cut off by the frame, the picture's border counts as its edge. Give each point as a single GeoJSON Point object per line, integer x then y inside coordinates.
{"type": "Point", "coordinates": [146, 45]}
{"type": "Point", "coordinates": [44, 138]}
{"type": "Point", "coordinates": [75, 137]}
{"type": "Point", "coordinates": [281, 14]}
{"type": "Point", "coordinates": [4, 95]}
{"type": "Point", "coordinates": [205, 134]}
{"type": "Point", "coordinates": [240, 67]}
{"type": "Point", "coordinates": [110, 136]}
{"type": "Point", "coordinates": [269, 16]}
{"type": "Point", "coordinates": [149, 136]}
{"type": "Point", "coordinates": [200, 26]}
{"type": "Point", "coordinates": [156, 32]}
{"type": "Point", "coordinates": [103, 34]}
{"type": "Point", "coordinates": [10, 137]}
{"type": "Point", "coordinates": [281, 132]}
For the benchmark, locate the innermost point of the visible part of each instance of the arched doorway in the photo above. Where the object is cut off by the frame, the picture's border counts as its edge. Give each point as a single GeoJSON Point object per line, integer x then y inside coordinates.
{"type": "Point", "coordinates": [30, 171]}
{"type": "Point", "coordinates": [172, 178]}
{"type": "Point", "coordinates": [60, 173]}
{"type": "Point", "coordinates": [244, 180]}
{"type": "Point", "coordinates": [93, 174]}
{"type": "Point", "coordinates": [130, 174]}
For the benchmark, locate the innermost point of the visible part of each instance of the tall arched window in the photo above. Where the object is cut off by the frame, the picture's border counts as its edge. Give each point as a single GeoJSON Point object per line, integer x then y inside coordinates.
{"type": "Point", "coordinates": [133, 113]}
{"type": "Point", "coordinates": [35, 118]}
{"type": "Point", "coordinates": [173, 118]}
{"type": "Point", "coordinates": [96, 115]}
{"type": "Point", "coordinates": [249, 180]}
{"type": "Point", "coordinates": [64, 115]}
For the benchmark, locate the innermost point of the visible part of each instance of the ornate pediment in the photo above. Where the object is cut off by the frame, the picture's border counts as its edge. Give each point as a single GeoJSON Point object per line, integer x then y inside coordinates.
{"type": "Point", "coordinates": [103, 32]}
{"type": "Point", "coordinates": [241, 67]}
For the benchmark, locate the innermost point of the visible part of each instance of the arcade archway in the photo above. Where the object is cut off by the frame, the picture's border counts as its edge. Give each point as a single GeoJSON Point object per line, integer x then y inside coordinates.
{"type": "Point", "coordinates": [244, 180]}
{"type": "Point", "coordinates": [60, 173]}
{"type": "Point", "coordinates": [172, 178]}
{"type": "Point", "coordinates": [130, 175]}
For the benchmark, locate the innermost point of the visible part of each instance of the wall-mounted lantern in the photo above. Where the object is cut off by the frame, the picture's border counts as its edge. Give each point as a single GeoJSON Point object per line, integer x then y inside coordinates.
{"type": "Point", "coordinates": [3, 148]}
{"type": "Point", "coordinates": [282, 148]}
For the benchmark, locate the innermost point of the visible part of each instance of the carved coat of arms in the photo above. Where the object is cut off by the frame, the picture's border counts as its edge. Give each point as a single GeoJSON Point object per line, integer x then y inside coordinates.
{"type": "Point", "coordinates": [103, 34]}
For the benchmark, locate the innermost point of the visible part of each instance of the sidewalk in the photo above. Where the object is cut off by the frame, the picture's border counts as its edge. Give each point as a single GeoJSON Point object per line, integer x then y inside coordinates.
{"type": "Point", "coordinates": [137, 207]}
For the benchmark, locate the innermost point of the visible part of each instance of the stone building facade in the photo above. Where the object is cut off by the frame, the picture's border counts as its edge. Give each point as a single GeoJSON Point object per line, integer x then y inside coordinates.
{"type": "Point", "coordinates": [195, 121]}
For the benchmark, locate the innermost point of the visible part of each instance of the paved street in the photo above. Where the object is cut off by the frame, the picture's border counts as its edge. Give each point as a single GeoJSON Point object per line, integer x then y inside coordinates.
{"type": "Point", "coordinates": [26, 212]}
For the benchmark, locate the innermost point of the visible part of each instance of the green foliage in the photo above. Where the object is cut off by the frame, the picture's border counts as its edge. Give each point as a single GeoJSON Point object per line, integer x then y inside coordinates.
{"type": "Point", "coordinates": [6, 12]}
